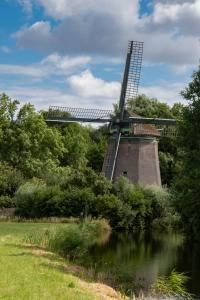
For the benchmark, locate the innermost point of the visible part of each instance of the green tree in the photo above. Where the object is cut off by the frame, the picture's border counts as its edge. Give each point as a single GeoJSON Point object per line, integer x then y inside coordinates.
{"type": "Point", "coordinates": [98, 146]}
{"type": "Point", "coordinates": [188, 184]}
{"type": "Point", "coordinates": [28, 143]}
{"type": "Point", "coordinates": [147, 107]}
{"type": "Point", "coordinates": [76, 141]}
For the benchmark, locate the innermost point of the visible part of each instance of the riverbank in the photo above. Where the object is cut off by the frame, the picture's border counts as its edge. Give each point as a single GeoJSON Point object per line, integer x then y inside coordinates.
{"type": "Point", "coordinates": [31, 273]}
{"type": "Point", "coordinates": [41, 261]}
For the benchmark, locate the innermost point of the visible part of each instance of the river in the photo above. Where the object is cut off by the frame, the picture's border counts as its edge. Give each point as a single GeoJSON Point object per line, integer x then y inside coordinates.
{"type": "Point", "coordinates": [133, 262]}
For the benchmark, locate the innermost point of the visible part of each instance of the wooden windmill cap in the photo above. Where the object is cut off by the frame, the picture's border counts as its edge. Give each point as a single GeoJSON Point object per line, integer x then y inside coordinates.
{"type": "Point", "coordinates": [144, 129]}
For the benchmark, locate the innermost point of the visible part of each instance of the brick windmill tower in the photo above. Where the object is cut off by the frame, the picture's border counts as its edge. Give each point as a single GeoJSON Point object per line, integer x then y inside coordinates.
{"type": "Point", "coordinates": [133, 144]}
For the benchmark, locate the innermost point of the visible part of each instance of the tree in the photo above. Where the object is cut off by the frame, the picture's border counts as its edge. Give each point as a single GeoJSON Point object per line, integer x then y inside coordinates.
{"type": "Point", "coordinates": [188, 184]}
{"type": "Point", "coordinates": [27, 142]}
{"type": "Point", "coordinates": [149, 107]}
{"type": "Point", "coordinates": [76, 141]}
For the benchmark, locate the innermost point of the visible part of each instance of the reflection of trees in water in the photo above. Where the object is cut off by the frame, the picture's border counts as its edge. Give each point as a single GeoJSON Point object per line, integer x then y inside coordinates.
{"type": "Point", "coordinates": [135, 260]}
{"type": "Point", "coordinates": [189, 262]}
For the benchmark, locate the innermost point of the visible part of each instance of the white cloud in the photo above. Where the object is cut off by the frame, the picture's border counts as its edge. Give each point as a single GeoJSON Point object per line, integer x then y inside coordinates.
{"type": "Point", "coordinates": [42, 98]}
{"type": "Point", "coordinates": [60, 9]}
{"type": "Point", "coordinates": [21, 70]}
{"type": "Point", "coordinates": [167, 92]}
{"type": "Point", "coordinates": [86, 85]}
{"type": "Point", "coordinates": [176, 12]}
{"type": "Point", "coordinates": [53, 64]}
{"type": "Point", "coordinates": [102, 27]}
{"type": "Point", "coordinates": [86, 90]}
{"type": "Point", "coordinates": [65, 63]}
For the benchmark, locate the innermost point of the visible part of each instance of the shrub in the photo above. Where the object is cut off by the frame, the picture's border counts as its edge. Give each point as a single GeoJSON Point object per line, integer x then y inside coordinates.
{"type": "Point", "coordinates": [36, 200]}
{"type": "Point", "coordinates": [77, 202]}
{"type": "Point", "coordinates": [119, 215]}
{"type": "Point", "coordinates": [151, 205]}
{"type": "Point", "coordinates": [10, 180]}
{"type": "Point", "coordinates": [87, 177]}
{"type": "Point", "coordinates": [159, 199]}
{"type": "Point", "coordinates": [6, 202]}
{"type": "Point", "coordinates": [129, 207]}
{"type": "Point", "coordinates": [73, 240]}
{"type": "Point", "coordinates": [162, 214]}
{"type": "Point", "coordinates": [59, 176]}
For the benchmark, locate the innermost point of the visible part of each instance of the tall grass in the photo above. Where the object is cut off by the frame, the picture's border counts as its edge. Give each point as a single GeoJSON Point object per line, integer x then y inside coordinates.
{"type": "Point", "coordinates": [172, 286]}
{"type": "Point", "coordinates": [72, 240]}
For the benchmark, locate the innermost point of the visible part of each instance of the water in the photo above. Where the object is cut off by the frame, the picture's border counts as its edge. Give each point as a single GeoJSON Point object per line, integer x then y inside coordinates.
{"type": "Point", "coordinates": [131, 262]}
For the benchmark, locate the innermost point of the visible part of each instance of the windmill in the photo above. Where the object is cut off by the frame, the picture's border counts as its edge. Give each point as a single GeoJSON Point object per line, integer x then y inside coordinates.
{"type": "Point", "coordinates": [133, 144]}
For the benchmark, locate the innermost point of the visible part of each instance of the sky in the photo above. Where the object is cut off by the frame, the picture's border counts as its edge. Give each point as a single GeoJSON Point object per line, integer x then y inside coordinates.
{"type": "Point", "coordinates": [72, 52]}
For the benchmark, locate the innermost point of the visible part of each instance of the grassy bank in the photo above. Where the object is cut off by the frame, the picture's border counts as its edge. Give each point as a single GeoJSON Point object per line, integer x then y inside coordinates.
{"type": "Point", "coordinates": [32, 273]}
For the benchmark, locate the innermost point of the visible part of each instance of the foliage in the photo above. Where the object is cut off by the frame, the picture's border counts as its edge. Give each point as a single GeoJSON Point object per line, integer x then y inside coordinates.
{"type": "Point", "coordinates": [119, 215]}
{"type": "Point", "coordinates": [34, 200]}
{"type": "Point", "coordinates": [151, 108]}
{"type": "Point", "coordinates": [76, 141]}
{"type": "Point", "coordinates": [27, 141]}
{"type": "Point", "coordinates": [73, 240]}
{"type": "Point", "coordinates": [187, 185]}
{"type": "Point", "coordinates": [10, 180]}
{"type": "Point", "coordinates": [151, 205]}
{"type": "Point", "coordinates": [128, 206]}
{"type": "Point", "coordinates": [172, 286]}
{"type": "Point", "coordinates": [29, 144]}
{"type": "Point", "coordinates": [6, 202]}
{"type": "Point", "coordinates": [98, 147]}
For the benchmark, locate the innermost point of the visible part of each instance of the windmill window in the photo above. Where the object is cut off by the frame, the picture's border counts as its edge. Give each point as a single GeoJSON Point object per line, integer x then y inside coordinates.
{"type": "Point", "coordinates": [125, 173]}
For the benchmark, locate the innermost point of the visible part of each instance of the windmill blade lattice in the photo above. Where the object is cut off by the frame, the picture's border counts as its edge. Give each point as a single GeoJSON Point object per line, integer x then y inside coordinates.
{"type": "Point", "coordinates": [69, 114]}
{"type": "Point", "coordinates": [136, 49]}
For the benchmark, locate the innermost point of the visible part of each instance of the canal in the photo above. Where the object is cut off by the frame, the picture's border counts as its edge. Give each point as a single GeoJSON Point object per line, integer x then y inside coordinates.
{"type": "Point", "coordinates": [133, 262]}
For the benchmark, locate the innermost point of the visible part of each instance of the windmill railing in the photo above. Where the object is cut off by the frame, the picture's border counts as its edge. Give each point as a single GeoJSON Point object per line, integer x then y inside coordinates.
{"type": "Point", "coordinates": [153, 121]}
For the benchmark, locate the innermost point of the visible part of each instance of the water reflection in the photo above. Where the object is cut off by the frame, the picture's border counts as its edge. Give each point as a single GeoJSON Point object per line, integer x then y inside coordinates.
{"type": "Point", "coordinates": [132, 262]}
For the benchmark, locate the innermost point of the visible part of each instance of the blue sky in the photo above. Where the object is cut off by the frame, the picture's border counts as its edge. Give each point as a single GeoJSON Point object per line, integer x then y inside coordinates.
{"type": "Point", "coordinates": [72, 53]}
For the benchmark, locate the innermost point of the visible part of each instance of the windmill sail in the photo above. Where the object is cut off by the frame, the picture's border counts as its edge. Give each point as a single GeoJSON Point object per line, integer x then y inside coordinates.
{"type": "Point", "coordinates": [134, 69]}
{"type": "Point", "coordinates": [70, 114]}
{"type": "Point", "coordinates": [129, 90]}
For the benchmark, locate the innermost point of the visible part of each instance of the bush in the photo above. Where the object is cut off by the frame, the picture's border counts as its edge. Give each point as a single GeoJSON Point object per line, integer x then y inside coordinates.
{"type": "Point", "coordinates": [152, 205]}
{"type": "Point", "coordinates": [84, 178]}
{"type": "Point", "coordinates": [10, 180]}
{"type": "Point", "coordinates": [119, 214]}
{"type": "Point", "coordinates": [36, 200]}
{"type": "Point", "coordinates": [6, 202]}
{"type": "Point", "coordinates": [130, 207]}
{"type": "Point", "coordinates": [73, 240]}
{"type": "Point", "coordinates": [77, 202]}
{"type": "Point", "coordinates": [162, 213]}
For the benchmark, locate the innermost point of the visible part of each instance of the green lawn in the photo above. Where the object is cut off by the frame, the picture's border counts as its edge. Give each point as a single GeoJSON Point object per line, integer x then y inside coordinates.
{"type": "Point", "coordinates": [27, 275]}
